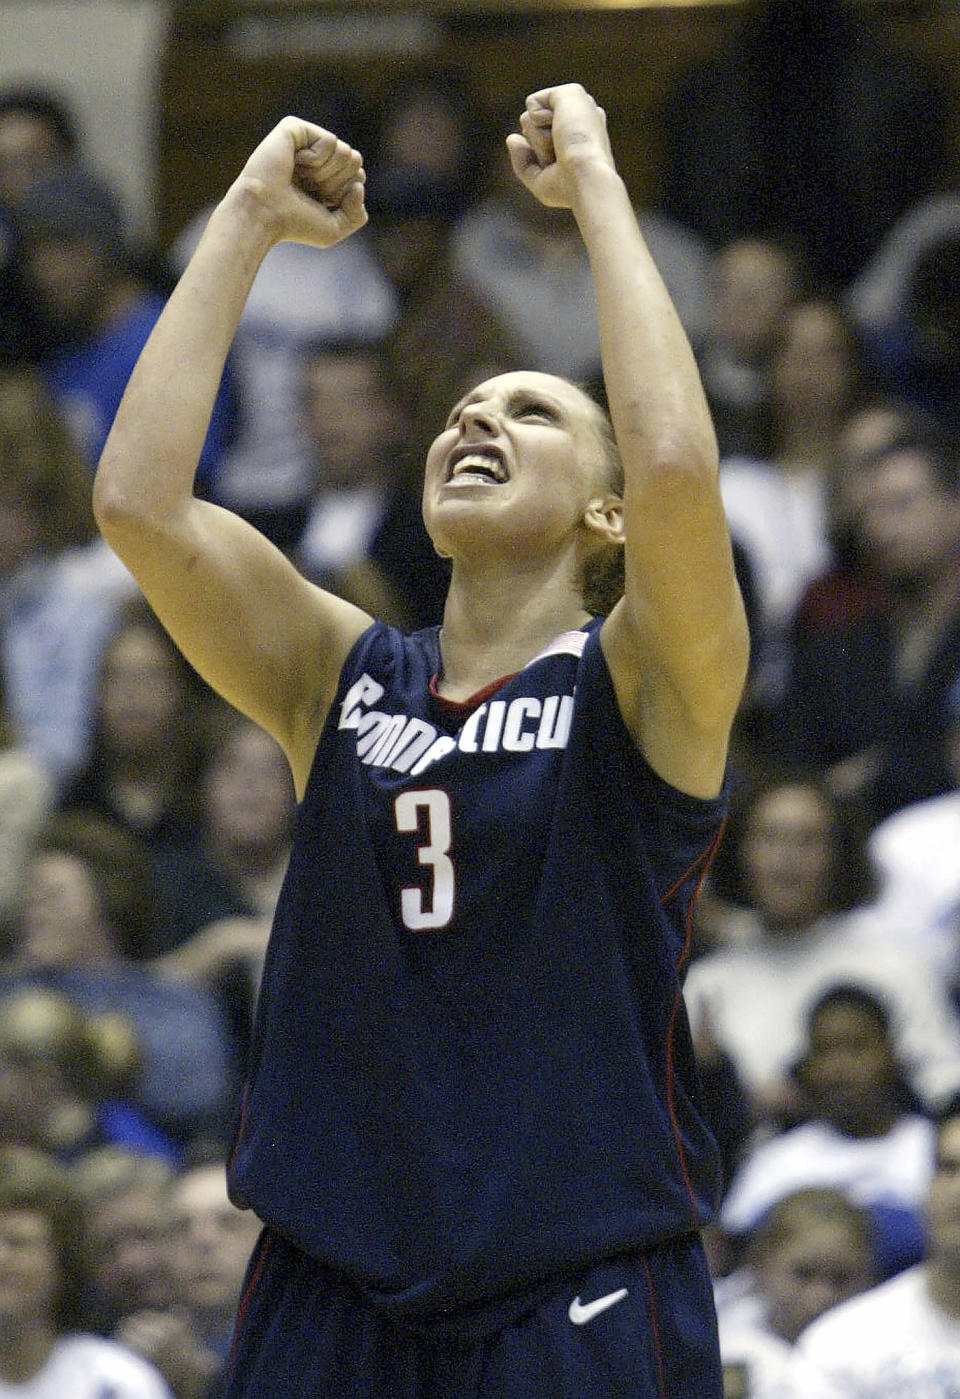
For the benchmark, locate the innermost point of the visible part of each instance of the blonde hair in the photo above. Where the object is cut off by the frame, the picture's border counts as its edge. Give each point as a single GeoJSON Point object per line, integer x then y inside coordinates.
{"type": "Point", "coordinates": [602, 580]}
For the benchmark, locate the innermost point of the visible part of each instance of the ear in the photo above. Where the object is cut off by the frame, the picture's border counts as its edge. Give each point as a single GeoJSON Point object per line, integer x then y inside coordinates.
{"type": "Point", "coordinates": [604, 517]}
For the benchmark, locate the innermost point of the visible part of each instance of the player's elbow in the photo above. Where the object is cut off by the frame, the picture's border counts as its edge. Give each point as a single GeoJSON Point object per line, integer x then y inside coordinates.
{"type": "Point", "coordinates": [113, 507]}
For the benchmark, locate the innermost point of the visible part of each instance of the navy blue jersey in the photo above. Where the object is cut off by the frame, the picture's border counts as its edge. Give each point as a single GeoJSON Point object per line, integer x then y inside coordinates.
{"type": "Point", "coordinates": [471, 1066]}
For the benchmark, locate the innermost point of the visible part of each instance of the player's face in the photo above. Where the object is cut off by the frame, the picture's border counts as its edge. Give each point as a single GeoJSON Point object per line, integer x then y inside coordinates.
{"type": "Point", "coordinates": [519, 460]}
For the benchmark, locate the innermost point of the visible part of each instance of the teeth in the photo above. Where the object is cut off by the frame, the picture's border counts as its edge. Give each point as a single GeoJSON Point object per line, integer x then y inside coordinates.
{"type": "Point", "coordinates": [480, 463]}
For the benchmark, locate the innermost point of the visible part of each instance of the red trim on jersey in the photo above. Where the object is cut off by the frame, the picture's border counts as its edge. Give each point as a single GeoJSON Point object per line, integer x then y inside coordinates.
{"type": "Point", "coordinates": [462, 709]}
{"type": "Point", "coordinates": [241, 1124]}
{"type": "Point", "coordinates": [655, 1328]}
{"type": "Point", "coordinates": [264, 1245]}
{"type": "Point", "coordinates": [703, 862]}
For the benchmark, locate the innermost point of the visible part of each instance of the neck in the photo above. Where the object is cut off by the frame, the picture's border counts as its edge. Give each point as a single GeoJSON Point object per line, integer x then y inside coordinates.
{"type": "Point", "coordinates": [149, 763]}
{"type": "Point", "coordinates": [256, 871]}
{"type": "Point", "coordinates": [788, 925]}
{"type": "Point", "coordinates": [875, 1121]}
{"type": "Point", "coordinates": [24, 1349]}
{"type": "Point", "coordinates": [489, 632]}
{"type": "Point", "coordinates": [808, 444]}
{"type": "Point", "coordinates": [141, 788]}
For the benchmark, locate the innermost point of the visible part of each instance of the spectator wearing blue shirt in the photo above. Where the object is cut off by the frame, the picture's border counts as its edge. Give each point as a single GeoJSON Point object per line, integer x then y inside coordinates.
{"type": "Point", "coordinates": [97, 308]}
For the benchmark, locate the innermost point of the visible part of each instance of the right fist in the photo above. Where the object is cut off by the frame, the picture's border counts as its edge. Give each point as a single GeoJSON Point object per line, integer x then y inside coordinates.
{"type": "Point", "coordinates": [310, 183]}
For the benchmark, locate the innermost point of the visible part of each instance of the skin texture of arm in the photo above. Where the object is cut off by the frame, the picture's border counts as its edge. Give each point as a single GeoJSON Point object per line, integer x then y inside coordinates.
{"type": "Point", "coordinates": [676, 645]}
{"type": "Point", "coordinates": [262, 636]}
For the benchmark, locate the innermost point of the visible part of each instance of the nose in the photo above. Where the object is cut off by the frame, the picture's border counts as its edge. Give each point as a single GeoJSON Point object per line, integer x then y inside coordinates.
{"type": "Point", "coordinates": [479, 416]}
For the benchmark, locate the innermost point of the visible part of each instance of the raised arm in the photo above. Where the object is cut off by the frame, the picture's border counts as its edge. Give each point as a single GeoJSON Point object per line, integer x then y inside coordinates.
{"type": "Point", "coordinates": [676, 644]}
{"type": "Point", "coordinates": [264, 638]}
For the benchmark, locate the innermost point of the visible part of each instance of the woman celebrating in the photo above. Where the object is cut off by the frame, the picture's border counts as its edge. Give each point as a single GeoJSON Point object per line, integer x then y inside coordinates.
{"type": "Point", "coordinates": [470, 1125]}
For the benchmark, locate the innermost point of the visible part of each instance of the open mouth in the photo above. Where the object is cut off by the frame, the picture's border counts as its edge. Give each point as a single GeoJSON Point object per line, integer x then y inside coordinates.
{"type": "Point", "coordinates": [483, 465]}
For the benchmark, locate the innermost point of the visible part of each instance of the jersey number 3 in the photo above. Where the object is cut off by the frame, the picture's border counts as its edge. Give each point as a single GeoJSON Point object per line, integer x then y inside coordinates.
{"type": "Point", "coordinates": [433, 907]}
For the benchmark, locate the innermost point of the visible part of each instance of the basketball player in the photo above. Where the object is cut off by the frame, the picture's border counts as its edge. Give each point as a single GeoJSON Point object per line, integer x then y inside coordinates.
{"type": "Point", "coordinates": [470, 1125]}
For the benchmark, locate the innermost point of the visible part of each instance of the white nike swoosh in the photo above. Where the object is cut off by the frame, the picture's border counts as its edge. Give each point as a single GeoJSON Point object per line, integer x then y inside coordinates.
{"type": "Point", "coordinates": [582, 1312]}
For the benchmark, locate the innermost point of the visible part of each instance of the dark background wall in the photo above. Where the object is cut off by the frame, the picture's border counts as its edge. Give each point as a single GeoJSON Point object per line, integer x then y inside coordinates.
{"type": "Point", "coordinates": [228, 67]}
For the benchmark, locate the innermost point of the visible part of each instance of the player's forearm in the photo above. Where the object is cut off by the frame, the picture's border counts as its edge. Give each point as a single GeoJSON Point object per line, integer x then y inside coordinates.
{"type": "Point", "coordinates": [148, 464]}
{"type": "Point", "coordinates": [653, 384]}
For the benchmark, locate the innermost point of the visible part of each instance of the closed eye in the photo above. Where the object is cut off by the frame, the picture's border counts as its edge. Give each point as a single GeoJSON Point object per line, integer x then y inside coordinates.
{"type": "Point", "coordinates": [520, 408]}
{"type": "Point", "coordinates": [530, 408]}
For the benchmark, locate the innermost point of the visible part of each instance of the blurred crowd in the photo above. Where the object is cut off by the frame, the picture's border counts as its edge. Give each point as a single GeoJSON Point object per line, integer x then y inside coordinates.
{"type": "Point", "coordinates": [811, 241]}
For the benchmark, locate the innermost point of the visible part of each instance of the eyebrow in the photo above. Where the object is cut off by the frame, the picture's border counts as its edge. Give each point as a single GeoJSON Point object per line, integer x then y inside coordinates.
{"type": "Point", "coordinates": [515, 396]}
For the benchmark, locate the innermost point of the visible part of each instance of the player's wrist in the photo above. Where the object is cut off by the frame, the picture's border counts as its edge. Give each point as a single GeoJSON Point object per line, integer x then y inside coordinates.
{"type": "Point", "coordinates": [246, 212]}
{"type": "Point", "coordinates": [597, 195]}
{"type": "Point", "coordinates": [589, 172]}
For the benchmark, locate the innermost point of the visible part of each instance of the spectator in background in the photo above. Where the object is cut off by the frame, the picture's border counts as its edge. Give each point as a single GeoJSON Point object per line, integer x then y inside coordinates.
{"type": "Point", "coordinates": [59, 584]}
{"type": "Point", "coordinates": [87, 899]}
{"type": "Point", "coordinates": [170, 1341]}
{"type": "Point", "coordinates": [65, 1078]}
{"type": "Point", "coordinates": [97, 309]}
{"type": "Point", "coordinates": [874, 422]}
{"type": "Point", "coordinates": [804, 125]}
{"type": "Point", "coordinates": [917, 353]}
{"type": "Point", "coordinates": [147, 745]}
{"type": "Point", "coordinates": [752, 282]}
{"type": "Point", "coordinates": [86, 886]}
{"type": "Point", "coordinates": [299, 298]}
{"type": "Point", "coordinates": [231, 864]}
{"type": "Point", "coordinates": [38, 133]}
{"type": "Point", "coordinates": [848, 588]}
{"type": "Point", "coordinates": [527, 265]}
{"type": "Point", "coordinates": [812, 1252]}
{"type": "Point", "coordinates": [776, 505]}
{"type": "Point", "coordinates": [860, 1131]}
{"type": "Point", "coordinates": [905, 304]}
{"type": "Point", "coordinates": [900, 1340]}
{"type": "Point", "coordinates": [42, 1350]}
{"type": "Point", "coordinates": [124, 1195]}
{"type": "Point", "coordinates": [210, 1246]}
{"type": "Point", "coordinates": [126, 1201]}
{"type": "Point", "coordinates": [428, 137]}
{"type": "Point", "coordinates": [794, 872]}
{"type": "Point", "coordinates": [870, 687]}
{"type": "Point", "coordinates": [916, 853]}
{"type": "Point", "coordinates": [363, 536]}
{"type": "Point", "coordinates": [26, 800]}
{"type": "Point", "coordinates": [446, 336]}
{"type": "Point", "coordinates": [220, 884]}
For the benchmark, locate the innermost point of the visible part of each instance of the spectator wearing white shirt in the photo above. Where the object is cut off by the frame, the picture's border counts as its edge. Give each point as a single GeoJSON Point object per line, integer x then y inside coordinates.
{"type": "Point", "coordinates": [42, 1354]}
{"type": "Point", "coordinates": [917, 853]}
{"type": "Point", "coordinates": [59, 585]}
{"type": "Point", "coordinates": [299, 298]}
{"type": "Point", "coordinates": [812, 1252]}
{"type": "Point", "coordinates": [900, 1340]}
{"type": "Point", "coordinates": [794, 868]}
{"type": "Point", "coordinates": [860, 1132]}
{"type": "Point", "coordinates": [776, 501]}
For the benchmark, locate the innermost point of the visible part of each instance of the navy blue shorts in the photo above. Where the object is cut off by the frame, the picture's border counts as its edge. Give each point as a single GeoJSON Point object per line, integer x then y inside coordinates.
{"type": "Point", "coordinates": [639, 1327]}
